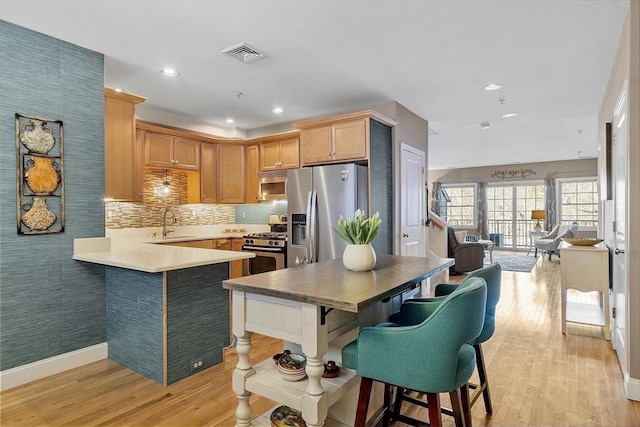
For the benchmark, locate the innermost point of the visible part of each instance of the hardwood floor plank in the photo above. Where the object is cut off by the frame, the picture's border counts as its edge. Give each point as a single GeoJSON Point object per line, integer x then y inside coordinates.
{"type": "Point", "coordinates": [537, 375]}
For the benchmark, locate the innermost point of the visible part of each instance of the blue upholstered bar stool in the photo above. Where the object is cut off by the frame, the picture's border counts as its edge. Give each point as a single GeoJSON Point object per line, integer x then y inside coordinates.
{"type": "Point", "coordinates": [432, 356]}
{"type": "Point", "coordinates": [492, 275]}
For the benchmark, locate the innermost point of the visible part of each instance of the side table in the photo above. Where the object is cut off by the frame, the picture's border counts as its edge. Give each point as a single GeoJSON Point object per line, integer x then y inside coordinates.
{"type": "Point", "coordinates": [488, 246]}
{"type": "Point", "coordinates": [534, 235]}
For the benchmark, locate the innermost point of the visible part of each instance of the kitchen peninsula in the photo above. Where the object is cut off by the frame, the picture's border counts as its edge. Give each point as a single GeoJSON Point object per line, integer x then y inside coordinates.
{"type": "Point", "coordinates": [167, 313]}
{"type": "Point", "coordinates": [317, 307]}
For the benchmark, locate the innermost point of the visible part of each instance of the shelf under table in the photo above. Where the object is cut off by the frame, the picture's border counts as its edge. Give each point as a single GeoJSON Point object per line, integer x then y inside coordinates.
{"type": "Point", "coordinates": [264, 420]}
{"type": "Point", "coordinates": [268, 382]}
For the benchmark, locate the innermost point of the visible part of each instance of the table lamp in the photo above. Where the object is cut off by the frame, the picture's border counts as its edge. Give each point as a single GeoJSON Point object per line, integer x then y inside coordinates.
{"type": "Point", "coordinates": [538, 215]}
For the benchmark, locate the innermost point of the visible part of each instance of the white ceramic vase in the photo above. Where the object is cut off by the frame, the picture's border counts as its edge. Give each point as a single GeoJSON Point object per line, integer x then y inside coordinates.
{"type": "Point", "coordinates": [359, 257]}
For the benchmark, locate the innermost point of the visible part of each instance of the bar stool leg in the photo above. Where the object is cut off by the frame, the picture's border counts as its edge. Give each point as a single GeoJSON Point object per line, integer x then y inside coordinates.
{"type": "Point", "coordinates": [484, 383]}
{"type": "Point", "coordinates": [363, 401]}
{"type": "Point", "coordinates": [433, 404]}
{"type": "Point", "coordinates": [456, 407]}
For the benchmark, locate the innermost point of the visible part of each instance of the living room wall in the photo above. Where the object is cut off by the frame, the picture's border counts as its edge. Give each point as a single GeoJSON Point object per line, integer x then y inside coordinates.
{"type": "Point", "coordinates": [541, 171]}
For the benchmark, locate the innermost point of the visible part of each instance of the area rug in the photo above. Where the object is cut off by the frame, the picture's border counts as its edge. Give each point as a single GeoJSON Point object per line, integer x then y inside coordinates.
{"type": "Point", "coordinates": [513, 261]}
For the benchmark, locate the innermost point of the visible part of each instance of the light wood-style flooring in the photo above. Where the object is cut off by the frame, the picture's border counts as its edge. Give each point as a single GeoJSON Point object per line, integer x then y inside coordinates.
{"type": "Point", "coordinates": [537, 375]}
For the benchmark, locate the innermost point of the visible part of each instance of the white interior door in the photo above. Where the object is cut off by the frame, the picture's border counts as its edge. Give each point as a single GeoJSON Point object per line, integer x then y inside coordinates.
{"type": "Point", "coordinates": [412, 209]}
{"type": "Point", "coordinates": [620, 141]}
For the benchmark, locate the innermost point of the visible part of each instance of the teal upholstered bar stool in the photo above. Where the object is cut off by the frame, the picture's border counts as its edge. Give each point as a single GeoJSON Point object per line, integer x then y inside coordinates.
{"type": "Point", "coordinates": [432, 355]}
{"type": "Point", "coordinates": [492, 274]}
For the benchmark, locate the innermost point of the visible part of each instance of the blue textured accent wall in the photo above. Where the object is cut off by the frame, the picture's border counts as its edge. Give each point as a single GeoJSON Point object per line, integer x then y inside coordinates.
{"type": "Point", "coordinates": [381, 184]}
{"type": "Point", "coordinates": [134, 326]}
{"type": "Point", "coordinates": [49, 303]}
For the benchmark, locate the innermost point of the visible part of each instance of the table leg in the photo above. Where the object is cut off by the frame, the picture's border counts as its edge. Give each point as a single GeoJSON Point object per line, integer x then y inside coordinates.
{"type": "Point", "coordinates": [242, 371]}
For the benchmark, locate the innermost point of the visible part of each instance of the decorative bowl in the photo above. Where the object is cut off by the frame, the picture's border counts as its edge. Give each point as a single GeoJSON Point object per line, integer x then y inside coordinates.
{"type": "Point", "coordinates": [580, 241]}
{"type": "Point", "coordinates": [292, 366]}
{"type": "Point", "coordinates": [283, 416]}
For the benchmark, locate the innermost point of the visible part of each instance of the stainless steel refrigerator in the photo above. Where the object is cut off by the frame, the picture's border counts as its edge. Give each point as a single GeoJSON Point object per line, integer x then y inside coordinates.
{"type": "Point", "coordinates": [316, 197]}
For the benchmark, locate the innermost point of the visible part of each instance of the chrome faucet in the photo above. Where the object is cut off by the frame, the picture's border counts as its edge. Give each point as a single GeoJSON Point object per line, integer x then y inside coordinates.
{"type": "Point", "coordinates": [164, 222]}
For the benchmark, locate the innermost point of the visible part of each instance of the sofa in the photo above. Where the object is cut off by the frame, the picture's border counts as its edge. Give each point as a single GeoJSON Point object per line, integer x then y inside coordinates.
{"type": "Point", "coordinates": [549, 243]}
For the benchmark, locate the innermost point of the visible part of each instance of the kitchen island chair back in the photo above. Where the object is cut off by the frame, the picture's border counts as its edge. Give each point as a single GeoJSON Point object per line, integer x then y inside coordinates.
{"type": "Point", "coordinates": [438, 345]}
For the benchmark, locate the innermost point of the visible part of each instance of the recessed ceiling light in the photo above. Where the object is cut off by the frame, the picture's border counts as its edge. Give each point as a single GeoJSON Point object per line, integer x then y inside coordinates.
{"type": "Point", "coordinates": [485, 125]}
{"type": "Point", "coordinates": [278, 110]}
{"type": "Point", "coordinates": [492, 86]}
{"type": "Point", "coordinates": [509, 115]}
{"type": "Point", "coordinates": [169, 72]}
{"type": "Point", "coordinates": [229, 120]}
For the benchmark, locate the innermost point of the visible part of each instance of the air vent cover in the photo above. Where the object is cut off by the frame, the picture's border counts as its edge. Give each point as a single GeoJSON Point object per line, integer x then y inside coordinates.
{"type": "Point", "coordinates": [243, 52]}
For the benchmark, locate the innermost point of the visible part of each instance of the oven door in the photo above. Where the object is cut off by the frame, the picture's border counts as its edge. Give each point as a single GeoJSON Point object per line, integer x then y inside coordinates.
{"type": "Point", "coordinates": [266, 259]}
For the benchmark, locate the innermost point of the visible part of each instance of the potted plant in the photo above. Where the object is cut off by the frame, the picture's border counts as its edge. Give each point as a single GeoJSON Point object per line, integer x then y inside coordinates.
{"type": "Point", "coordinates": [359, 232]}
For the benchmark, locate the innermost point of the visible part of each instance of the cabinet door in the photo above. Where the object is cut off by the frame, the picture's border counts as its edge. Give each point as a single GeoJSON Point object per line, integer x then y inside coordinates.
{"type": "Point", "coordinates": [350, 140]}
{"type": "Point", "coordinates": [315, 145]}
{"type": "Point", "coordinates": [253, 168]}
{"type": "Point", "coordinates": [120, 161]}
{"type": "Point", "coordinates": [235, 269]}
{"type": "Point", "coordinates": [138, 182]}
{"type": "Point", "coordinates": [222, 244]}
{"type": "Point", "coordinates": [269, 156]}
{"type": "Point", "coordinates": [231, 173]}
{"type": "Point", "coordinates": [208, 177]}
{"type": "Point", "coordinates": [186, 153]}
{"type": "Point", "coordinates": [290, 154]}
{"type": "Point", "coordinates": [158, 149]}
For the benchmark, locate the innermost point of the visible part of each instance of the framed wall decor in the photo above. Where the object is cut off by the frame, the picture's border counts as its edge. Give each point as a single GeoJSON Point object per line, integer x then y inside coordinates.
{"type": "Point", "coordinates": [40, 175]}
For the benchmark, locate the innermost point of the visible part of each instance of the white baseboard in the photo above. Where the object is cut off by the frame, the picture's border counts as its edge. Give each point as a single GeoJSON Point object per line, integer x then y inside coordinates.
{"type": "Point", "coordinates": [54, 365]}
{"type": "Point", "coordinates": [632, 387]}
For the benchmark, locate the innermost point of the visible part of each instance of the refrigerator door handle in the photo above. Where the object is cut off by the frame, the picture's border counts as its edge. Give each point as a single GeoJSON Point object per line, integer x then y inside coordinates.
{"type": "Point", "coordinates": [312, 209]}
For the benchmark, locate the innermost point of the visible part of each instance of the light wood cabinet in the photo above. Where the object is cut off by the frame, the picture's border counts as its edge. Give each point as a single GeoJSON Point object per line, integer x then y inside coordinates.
{"type": "Point", "coordinates": [283, 154]}
{"type": "Point", "coordinates": [208, 173]}
{"type": "Point", "coordinates": [231, 173]}
{"type": "Point", "coordinates": [586, 269]}
{"type": "Point", "coordinates": [236, 266]}
{"type": "Point", "coordinates": [171, 152]}
{"type": "Point", "coordinates": [335, 142]}
{"type": "Point", "coordinates": [253, 167]}
{"type": "Point", "coordinates": [122, 148]}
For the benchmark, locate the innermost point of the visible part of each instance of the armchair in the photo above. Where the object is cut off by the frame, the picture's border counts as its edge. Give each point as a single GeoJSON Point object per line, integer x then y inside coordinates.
{"type": "Point", "coordinates": [551, 241]}
{"type": "Point", "coordinates": [469, 256]}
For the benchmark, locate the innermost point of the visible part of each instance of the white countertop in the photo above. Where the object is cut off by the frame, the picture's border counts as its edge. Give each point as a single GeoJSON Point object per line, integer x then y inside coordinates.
{"type": "Point", "coordinates": [142, 255]}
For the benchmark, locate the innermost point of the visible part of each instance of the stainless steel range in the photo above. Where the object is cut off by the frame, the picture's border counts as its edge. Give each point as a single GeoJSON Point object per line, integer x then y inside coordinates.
{"type": "Point", "coordinates": [270, 249]}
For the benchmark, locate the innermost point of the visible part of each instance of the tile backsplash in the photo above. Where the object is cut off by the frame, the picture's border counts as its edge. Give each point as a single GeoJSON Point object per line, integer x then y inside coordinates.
{"type": "Point", "coordinates": [156, 200]}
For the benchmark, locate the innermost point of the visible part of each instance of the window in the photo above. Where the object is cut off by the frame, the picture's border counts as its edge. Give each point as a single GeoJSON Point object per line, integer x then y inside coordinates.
{"type": "Point", "coordinates": [509, 209]}
{"type": "Point", "coordinates": [458, 204]}
{"type": "Point", "coordinates": [579, 202]}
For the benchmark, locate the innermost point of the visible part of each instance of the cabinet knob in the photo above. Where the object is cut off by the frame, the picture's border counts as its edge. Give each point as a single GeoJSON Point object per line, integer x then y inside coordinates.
{"type": "Point", "coordinates": [618, 251]}
{"type": "Point", "coordinates": [405, 235]}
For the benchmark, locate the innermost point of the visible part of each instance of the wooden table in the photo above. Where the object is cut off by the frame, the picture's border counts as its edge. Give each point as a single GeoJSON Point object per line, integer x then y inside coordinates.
{"type": "Point", "coordinates": [314, 306]}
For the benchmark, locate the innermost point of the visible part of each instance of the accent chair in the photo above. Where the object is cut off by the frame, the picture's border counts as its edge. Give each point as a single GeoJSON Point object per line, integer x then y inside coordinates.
{"type": "Point", "coordinates": [551, 241]}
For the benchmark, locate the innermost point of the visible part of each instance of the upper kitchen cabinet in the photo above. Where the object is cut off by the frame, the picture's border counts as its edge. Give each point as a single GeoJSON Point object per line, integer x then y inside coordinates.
{"type": "Point", "coordinates": [231, 173]}
{"type": "Point", "coordinates": [122, 150]}
{"type": "Point", "coordinates": [337, 139]}
{"type": "Point", "coordinates": [208, 173]}
{"type": "Point", "coordinates": [171, 152]}
{"type": "Point", "coordinates": [253, 167]}
{"type": "Point", "coordinates": [280, 153]}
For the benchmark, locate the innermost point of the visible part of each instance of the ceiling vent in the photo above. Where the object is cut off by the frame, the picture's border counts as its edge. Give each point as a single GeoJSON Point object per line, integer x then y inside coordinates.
{"type": "Point", "coordinates": [243, 52]}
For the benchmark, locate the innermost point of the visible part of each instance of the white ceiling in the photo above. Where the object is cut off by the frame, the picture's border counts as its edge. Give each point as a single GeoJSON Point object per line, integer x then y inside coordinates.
{"type": "Point", "coordinates": [325, 57]}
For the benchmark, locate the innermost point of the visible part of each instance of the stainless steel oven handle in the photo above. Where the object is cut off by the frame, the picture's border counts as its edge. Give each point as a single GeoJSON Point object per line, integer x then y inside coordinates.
{"type": "Point", "coordinates": [261, 249]}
